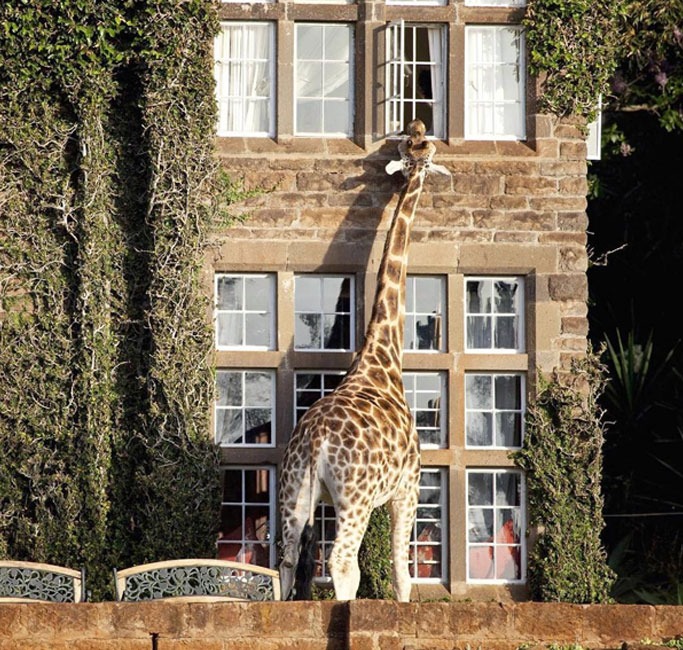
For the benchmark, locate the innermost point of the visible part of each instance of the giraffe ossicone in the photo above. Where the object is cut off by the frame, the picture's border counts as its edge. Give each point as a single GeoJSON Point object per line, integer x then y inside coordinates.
{"type": "Point", "coordinates": [357, 448]}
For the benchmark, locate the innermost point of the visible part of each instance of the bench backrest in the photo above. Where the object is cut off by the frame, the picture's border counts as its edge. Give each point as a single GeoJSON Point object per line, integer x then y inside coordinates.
{"type": "Point", "coordinates": [197, 579]}
{"type": "Point", "coordinates": [38, 582]}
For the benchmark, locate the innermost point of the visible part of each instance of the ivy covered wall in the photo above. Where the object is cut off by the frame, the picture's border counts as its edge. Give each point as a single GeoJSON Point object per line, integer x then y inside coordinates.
{"type": "Point", "coordinates": [106, 162]}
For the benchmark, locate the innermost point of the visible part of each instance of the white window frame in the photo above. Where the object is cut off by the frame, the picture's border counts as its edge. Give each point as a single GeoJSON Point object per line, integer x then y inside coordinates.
{"type": "Point", "coordinates": [442, 508]}
{"type": "Point", "coordinates": [410, 379]}
{"type": "Point", "coordinates": [494, 544]}
{"type": "Point", "coordinates": [397, 69]}
{"type": "Point", "coordinates": [244, 312]}
{"type": "Point", "coordinates": [440, 313]}
{"type": "Point", "coordinates": [243, 406]}
{"type": "Point", "coordinates": [483, 96]}
{"type": "Point", "coordinates": [469, 411]}
{"type": "Point", "coordinates": [323, 100]}
{"type": "Point", "coordinates": [243, 59]}
{"type": "Point", "coordinates": [495, 3]}
{"type": "Point", "coordinates": [352, 312]}
{"type": "Point", "coordinates": [520, 306]}
{"type": "Point", "coordinates": [271, 536]}
{"type": "Point", "coordinates": [594, 138]}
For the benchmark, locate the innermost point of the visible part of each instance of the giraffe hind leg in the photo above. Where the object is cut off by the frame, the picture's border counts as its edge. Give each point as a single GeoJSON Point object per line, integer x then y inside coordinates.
{"type": "Point", "coordinates": [402, 512]}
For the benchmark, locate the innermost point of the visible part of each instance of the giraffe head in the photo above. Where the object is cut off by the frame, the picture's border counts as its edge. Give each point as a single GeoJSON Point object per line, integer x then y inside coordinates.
{"type": "Point", "coordinates": [415, 131]}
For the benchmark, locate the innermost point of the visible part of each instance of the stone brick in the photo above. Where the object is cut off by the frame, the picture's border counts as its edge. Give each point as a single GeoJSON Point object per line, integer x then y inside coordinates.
{"type": "Point", "coordinates": [606, 624]}
{"type": "Point", "coordinates": [483, 621]}
{"type": "Point", "coordinates": [568, 286]}
{"type": "Point", "coordinates": [537, 621]}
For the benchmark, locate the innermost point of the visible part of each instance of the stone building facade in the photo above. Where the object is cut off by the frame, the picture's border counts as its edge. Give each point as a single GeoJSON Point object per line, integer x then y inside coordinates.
{"type": "Point", "coordinates": [497, 287]}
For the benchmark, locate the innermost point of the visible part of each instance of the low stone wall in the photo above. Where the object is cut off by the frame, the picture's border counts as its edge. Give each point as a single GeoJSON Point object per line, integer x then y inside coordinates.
{"type": "Point", "coordinates": [328, 625]}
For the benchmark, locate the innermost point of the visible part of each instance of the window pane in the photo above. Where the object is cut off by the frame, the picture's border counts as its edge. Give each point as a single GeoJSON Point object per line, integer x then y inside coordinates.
{"type": "Point", "coordinates": [310, 387]}
{"type": "Point", "coordinates": [494, 314]}
{"type": "Point", "coordinates": [494, 82]}
{"type": "Point", "coordinates": [244, 411]}
{"type": "Point", "coordinates": [244, 310]}
{"type": "Point", "coordinates": [425, 393]}
{"type": "Point", "coordinates": [244, 80]}
{"type": "Point", "coordinates": [424, 325]}
{"type": "Point", "coordinates": [323, 74]}
{"type": "Point", "coordinates": [415, 77]}
{"type": "Point", "coordinates": [429, 539]}
{"type": "Point", "coordinates": [323, 319]}
{"type": "Point", "coordinates": [495, 533]}
{"type": "Point", "coordinates": [480, 489]}
{"type": "Point", "coordinates": [247, 516]}
{"type": "Point", "coordinates": [493, 410]}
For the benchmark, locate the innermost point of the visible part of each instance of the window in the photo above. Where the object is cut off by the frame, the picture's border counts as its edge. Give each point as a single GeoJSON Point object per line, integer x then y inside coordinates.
{"type": "Point", "coordinates": [494, 83]}
{"type": "Point", "coordinates": [495, 3]}
{"type": "Point", "coordinates": [323, 79]}
{"type": "Point", "coordinates": [494, 410]}
{"type": "Point", "coordinates": [244, 311]}
{"type": "Point", "coordinates": [245, 407]}
{"type": "Point", "coordinates": [429, 542]}
{"type": "Point", "coordinates": [245, 79]}
{"type": "Point", "coordinates": [416, 73]}
{"type": "Point", "coordinates": [493, 314]}
{"type": "Point", "coordinates": [311, 386]}
{"type": "Point", "coordinates": [247, 516]}
{"type": "Point", "coordinates": [494, 526]}
{"type": "Point", "coordinates": [425, 393]}
{"type": "Point", "coordinates": [425, 325]}
{"type": "Point", "coordinates": [323, 317]}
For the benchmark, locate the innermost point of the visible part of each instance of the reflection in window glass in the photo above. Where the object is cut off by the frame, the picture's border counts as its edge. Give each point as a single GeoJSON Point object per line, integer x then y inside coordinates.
{"type": "Point", "coordinates": [429, 539]}
{"type": "Point", "coordinates": [426, 395]}
{"type": "Point", "coordinates": [244, 311]}
{"type": "Point", "coordinates": [494, 410]}
{"type": "Point", "coordinates": [425, 323]}
{"type": "Point", "coordinates": [495, 525]}
{"type": "Point", "coordinates": [246, 528]}
{"type": "Point", "coordinates": [323, 79]}
{"type": "Point", "coordinates": [322, 311]}
{"type": "Point", "coordinates": [311, 386]}
{"type": "Point", "coordinates": [245, 405]}
{"type": "Point", "coordinates": [493, 314]}
{"type": "Point", "coordinates": [245, 79]}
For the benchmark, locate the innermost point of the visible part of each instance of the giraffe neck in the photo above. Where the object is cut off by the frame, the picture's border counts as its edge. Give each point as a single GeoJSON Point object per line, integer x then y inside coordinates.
{"type": "Point", "coordinates": [383, 345]}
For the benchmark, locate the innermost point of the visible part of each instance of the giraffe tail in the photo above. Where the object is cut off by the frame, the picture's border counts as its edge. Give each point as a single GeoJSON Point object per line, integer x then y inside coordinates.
{"type": "Point", "coordinates": [306, 564]}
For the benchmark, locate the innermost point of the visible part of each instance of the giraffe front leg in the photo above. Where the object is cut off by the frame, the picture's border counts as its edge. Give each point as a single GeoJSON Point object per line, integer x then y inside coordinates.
{"type": "Point", "coordinates": [402, 512]}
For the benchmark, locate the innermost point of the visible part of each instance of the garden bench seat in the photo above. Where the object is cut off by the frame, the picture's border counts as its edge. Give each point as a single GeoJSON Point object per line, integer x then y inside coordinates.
{"type": "Point", "coordinates": [200, 579]}
{"type": "Point", "coordinates": [39, 582]}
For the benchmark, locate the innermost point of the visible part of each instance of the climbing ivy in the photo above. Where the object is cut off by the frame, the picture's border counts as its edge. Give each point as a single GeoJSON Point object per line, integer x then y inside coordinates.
{"type": "Point", "coordinates": [562, 456]}
{"type": "Point", "coordinates": [109, 191]}
{"type": "Point", "coordinates": [574, 47]}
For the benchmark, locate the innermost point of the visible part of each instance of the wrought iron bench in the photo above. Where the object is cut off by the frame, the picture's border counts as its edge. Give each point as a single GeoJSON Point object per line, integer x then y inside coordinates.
{"type": "Point", "coordinates": [200, 579]}
{"type": "Point", "coordinates": [38, 582]}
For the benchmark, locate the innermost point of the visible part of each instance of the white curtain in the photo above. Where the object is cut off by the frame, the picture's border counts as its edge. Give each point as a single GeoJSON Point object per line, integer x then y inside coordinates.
{"type": "Point", "coordinates": [435, 55]}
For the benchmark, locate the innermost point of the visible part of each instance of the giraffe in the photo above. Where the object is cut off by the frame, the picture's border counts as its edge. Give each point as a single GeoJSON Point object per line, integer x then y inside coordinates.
{"type": "Point", "coordinates": [357, 447]}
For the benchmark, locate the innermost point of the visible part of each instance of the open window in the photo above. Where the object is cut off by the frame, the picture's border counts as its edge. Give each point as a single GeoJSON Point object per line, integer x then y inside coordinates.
{"type": "Point", "coordinates": [415, 57]}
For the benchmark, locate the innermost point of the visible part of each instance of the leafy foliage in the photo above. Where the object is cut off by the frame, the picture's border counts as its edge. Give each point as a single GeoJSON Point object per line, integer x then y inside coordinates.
{"type": "Point", "coordinates": [562, 456]}
{"type": "Point", "coordinates": [110, 189]}
{"type": "Point", "coordinates": [574, 48]}
{"type": "Point", "coordinates": [374, 557]}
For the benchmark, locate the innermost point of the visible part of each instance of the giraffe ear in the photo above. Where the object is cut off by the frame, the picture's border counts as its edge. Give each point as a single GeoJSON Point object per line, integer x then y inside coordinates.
{"type": "Point", "coordinates": [393, 166]}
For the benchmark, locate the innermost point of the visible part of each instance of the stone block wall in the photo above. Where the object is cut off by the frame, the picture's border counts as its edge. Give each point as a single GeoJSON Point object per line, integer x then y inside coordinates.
{"type": "Point", "coordinates": [330, 625]}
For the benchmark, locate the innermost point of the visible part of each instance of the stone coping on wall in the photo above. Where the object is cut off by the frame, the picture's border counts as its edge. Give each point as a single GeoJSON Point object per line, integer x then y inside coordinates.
{"type": "Point", "coordinates": [331, 625]}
